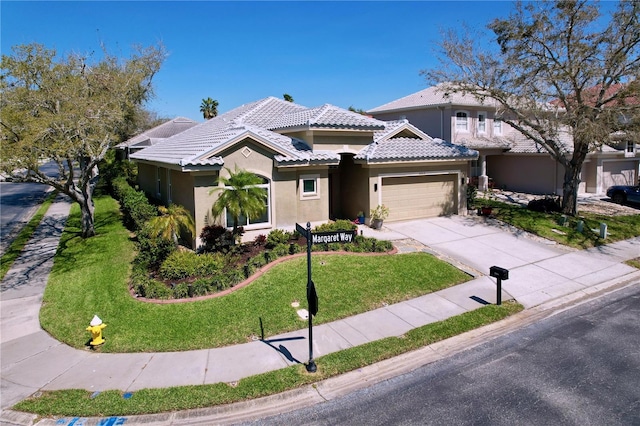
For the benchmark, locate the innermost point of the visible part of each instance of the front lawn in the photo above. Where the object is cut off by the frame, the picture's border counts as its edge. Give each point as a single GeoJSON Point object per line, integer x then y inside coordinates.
{"type": "Point", "coordinates": [89, 278]}
{"type": "Point", "coordinates": [78, 402]}
{"type": "Point", "coordinates": [548, 225]}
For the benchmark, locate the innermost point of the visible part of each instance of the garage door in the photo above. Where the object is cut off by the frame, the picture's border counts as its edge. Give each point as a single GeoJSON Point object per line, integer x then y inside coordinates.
{"type": "Point", "coordinates": [413, 197]}
{"type": "Point", "coordinates": [618, 173]}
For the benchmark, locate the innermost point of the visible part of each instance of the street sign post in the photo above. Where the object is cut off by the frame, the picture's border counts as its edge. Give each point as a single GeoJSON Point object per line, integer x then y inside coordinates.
{"type": "Point", "coordinates": [312, 296]}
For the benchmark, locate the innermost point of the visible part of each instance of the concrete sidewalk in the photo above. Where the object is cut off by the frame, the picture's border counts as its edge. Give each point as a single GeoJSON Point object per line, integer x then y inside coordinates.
{"type": "Point", "coordinates": [539, 272]}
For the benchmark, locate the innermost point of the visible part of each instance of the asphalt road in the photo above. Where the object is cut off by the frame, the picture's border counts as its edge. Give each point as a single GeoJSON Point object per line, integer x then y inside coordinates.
{"type": "Point", "coordinates": [579, 367]}
{"type": "Point", "coordinates": [18, 202]}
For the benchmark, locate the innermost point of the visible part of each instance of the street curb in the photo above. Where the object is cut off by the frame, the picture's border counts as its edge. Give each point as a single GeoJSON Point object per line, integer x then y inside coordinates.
{"type": "Point", "coordinates": [361, 378]}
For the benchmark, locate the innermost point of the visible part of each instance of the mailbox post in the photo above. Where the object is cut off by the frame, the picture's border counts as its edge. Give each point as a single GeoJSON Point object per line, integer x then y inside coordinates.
{"type": "Point", "coordinates": [500, 274]}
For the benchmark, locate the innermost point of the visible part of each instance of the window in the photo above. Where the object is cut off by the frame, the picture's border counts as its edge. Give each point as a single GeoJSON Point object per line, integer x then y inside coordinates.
{"type": "Point", "coordinates": [158, 183]}
{"type": "Point", "coordinates": [630, 147]}
{"type": "Point", "coordinates": [497, 126]}
{"type": "Point", "coordinates": [309, 187]}
{"type": "Point", "coordinates": [461, 121]}
{"type": "Point", "coordinates": [263, 219]}
{"type": "Point", "coordinates": [482, 122]}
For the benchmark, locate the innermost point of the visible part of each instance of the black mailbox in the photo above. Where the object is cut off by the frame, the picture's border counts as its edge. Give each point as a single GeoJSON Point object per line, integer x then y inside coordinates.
{"type": "Point", "coordinates": [498, 272]}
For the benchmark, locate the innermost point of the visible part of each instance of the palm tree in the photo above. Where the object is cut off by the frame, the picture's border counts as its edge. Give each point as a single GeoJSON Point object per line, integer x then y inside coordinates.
{"type": "Point", "coordinates": [287, 97]}
{"type": "Point", "coordinates": [240, 196]}
{"type": "Point", "coordinates": [172, 220]}
{"type": "Point", "coordinates": [209, 108]}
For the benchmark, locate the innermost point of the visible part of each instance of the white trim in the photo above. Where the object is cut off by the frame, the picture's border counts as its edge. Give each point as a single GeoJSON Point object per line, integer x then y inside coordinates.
{"type": "Point", "coordinates": [309, 195]}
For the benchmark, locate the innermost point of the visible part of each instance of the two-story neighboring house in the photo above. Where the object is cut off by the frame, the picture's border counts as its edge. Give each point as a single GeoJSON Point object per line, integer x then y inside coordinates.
{"type": "Point", "coordinates": [316, 164]}
{"type": "Point", "coordinates": [507, 159]}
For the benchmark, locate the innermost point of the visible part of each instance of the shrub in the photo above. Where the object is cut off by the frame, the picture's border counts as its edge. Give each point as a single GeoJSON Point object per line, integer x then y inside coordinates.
{"type": "Point", "coordinates": [135, 206]}
{"type": "Point", "coordinates": [383, 246]}
{"type": "Point", "coordinates": [545, 205]}
{"type": "Point", "coordinates": [156, 290]}
{"type": "Point", "coordinates": [184, 264]}
{"type": "Point", "coordinates": [277, 236]}
{"type": "Point", "coordinates": [153, 251]}
{"type": "Point", "coordinates": [472, 193]}
{"type": "Point", "coordinates": [181, 291]}
{"type": "Point", "coordinates": [217, 238]}
{"type": "Point", "coordinates": [260, 240]}
{"type": "Point", "coordinates": [338, 225]}
{"type": "Point", "coordinates": [202, 287]}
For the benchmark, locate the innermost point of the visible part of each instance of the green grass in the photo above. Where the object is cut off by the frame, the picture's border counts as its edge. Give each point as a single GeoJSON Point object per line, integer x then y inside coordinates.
{"type": "Point", "coordinates": [23, 237]}
{"type": "Point", "coordinates": [634, 262]}
{"type": "Point", "coordinates": [544, 224]}
{"type": "Point", "coordinates": [90, 277]}
{"type": "Point", "coordinates": [111, 403]}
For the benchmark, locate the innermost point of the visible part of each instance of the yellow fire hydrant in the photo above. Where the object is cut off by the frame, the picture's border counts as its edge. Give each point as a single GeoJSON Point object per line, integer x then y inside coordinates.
{"type": "Point", "coordinates": [95, 328]}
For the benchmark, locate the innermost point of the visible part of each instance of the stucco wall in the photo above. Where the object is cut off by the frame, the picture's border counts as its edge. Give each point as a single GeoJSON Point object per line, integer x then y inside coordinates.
{"type": "Point", "coordinates": [533, 174]}
{"type": "Point", "coordinates": [147, 179]}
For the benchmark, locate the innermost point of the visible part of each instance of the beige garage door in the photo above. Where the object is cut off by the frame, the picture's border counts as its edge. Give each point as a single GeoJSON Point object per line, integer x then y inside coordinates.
{"type": "Point", "coordinates": [414, 197]}
{"type": "Point", "coordinates": [618, 173]}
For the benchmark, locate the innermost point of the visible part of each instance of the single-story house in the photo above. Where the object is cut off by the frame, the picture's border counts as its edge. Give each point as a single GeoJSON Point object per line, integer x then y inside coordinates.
{"type": "Point", "coordinates": [316, 164]}
{"type": "Point", "coordinates": [506, 158]}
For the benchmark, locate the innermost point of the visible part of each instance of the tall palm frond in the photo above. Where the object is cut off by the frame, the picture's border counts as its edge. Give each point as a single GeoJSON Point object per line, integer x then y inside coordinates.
{"type": "Point", "coordinates": [172, 221]}
{"type": "Point", "coordinates": [240, 196]}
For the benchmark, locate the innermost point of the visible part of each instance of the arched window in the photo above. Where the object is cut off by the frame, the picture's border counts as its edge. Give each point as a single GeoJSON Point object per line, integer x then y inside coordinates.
{"type": "Point", "coordinates": [255, 222]}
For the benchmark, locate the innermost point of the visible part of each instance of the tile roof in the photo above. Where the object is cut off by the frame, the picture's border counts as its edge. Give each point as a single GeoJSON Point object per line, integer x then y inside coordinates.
{"type": "Point", "coordinates": [429, 97]}
{"type": "Point", "coordinates": [414, 149]}
{"type": "Point", "coordinates": [326, 116]}
{"type": "Point", "coordinates": [523, 145]}
{"type": "Point", "coordinates": [156, 134]}
{"type": "Point", "coordinates": [480, 142]}
{"type": "Point", "coordinates": [201, 144]}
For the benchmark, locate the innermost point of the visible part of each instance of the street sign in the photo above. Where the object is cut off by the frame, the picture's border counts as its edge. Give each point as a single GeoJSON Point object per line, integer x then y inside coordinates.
{"type": "Point", "coordinates": [301, 230]}
{"type": "Point", "coordinates": [333, 237]}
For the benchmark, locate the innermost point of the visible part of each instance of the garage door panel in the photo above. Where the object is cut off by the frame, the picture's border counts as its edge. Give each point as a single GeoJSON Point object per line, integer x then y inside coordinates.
{"type": "Point", "coordinates": [618, 173]}
{"type": "Point", "coordinates": [413, 197]}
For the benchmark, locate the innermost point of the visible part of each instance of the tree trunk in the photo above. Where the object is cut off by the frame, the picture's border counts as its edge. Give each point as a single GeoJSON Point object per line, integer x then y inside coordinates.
{"type": "Point", "coordinates": [572, 171]}
{"type": "Point", "coordinates": [570, 189]}
{"type": "Point", "coordinates": [87, 209]}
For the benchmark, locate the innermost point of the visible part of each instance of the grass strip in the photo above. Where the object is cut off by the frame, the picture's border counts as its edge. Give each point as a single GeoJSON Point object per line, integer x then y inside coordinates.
{"type": "Point", "coordinates": [23, 237]}
{"type": "Point", "coordinates": [146, 401]}
{"type": "Point", "coordinates": [548, 225]}
{"type": "Point", "coordinates": [90, 277]}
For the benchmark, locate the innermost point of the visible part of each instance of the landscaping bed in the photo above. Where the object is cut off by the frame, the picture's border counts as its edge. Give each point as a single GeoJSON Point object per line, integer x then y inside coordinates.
{"type": "Point", "coordinates": [90, 277]}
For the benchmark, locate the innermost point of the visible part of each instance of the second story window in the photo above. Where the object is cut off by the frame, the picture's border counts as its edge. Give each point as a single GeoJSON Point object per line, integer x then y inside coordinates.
{"type": "Point", "coordinates": [630, 149]}
{"type": "Point", "coordinates": [462, 124]}
{"type": "Point", "coordinates": [482, 122]}
{"type": "Point", "coordinates": [497, 126]}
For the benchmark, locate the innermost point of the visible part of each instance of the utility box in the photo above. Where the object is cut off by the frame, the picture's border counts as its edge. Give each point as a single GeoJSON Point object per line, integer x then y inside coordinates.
{"type": "Point", "coordinates": [498, 272]}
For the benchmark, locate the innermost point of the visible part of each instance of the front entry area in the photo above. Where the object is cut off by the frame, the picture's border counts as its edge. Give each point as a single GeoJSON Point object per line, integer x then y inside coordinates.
{"type": "Point", "coordinates": [414, 197]}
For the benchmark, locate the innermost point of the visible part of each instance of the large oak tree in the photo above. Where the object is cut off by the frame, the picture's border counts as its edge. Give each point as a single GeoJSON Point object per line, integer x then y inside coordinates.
{"type": "Point", "coordinates": [69, 110]}
{"type": "Point", "coordinates": [552, 69]}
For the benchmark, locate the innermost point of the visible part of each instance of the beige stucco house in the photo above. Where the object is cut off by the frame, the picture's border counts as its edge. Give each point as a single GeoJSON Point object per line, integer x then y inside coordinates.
{"type": "Point", "coordinates": [316, 164]}
{"type": "Point", "coordinates": [506, 158]}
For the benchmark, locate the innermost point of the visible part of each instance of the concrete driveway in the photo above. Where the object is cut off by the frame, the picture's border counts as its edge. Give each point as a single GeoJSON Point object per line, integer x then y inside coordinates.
{"type": "Point", "coordinates": [539, 270]}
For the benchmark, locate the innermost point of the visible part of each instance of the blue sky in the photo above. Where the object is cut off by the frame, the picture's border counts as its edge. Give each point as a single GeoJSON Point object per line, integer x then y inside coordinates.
{"type": "Point", "coordinates": [360, 54]}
